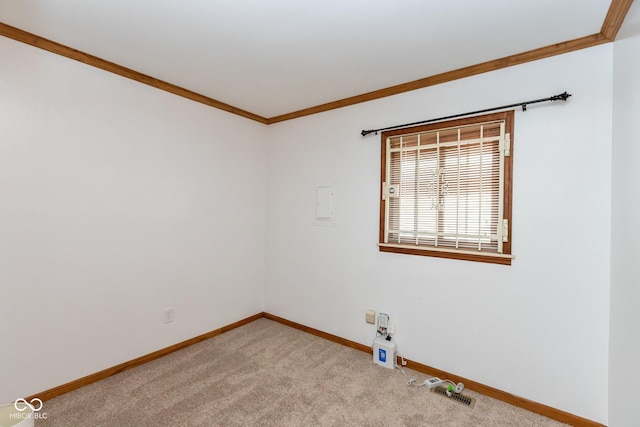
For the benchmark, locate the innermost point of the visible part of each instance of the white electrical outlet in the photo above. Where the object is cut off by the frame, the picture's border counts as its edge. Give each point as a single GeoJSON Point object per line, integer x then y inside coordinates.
{"type": "Point", "coordinates": [168, 315]}
{"type": "Point", "coordinates": [383, 322]}
{"type": "Point", "coordinates": [370, 316]}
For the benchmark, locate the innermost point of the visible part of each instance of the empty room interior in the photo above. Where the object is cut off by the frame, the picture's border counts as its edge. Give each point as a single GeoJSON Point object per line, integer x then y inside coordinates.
{"type": "Point", "coordinates": [170, 171]}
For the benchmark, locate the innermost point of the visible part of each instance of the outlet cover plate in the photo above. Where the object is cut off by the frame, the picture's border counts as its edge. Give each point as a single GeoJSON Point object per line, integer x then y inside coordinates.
{"type": "Point", "coordinates": [371, 316]}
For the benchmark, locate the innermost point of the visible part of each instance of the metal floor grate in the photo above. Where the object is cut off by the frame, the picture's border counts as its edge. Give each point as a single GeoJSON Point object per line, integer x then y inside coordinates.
{"type": "Point", "coordinates": [457, 397]}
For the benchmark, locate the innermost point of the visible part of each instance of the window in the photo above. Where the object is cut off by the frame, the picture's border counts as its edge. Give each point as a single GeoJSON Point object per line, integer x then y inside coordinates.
{"type": "Point", "coordinates": [446, 189]}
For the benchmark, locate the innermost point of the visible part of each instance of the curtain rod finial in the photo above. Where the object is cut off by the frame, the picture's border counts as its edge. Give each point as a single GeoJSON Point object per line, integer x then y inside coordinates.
{"type": "Point", "coordinates": [563, 96]}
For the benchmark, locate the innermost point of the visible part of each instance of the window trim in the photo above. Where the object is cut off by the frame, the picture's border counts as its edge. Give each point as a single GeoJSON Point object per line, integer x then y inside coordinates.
{"type": "Point", "coordinates": [503, 258]}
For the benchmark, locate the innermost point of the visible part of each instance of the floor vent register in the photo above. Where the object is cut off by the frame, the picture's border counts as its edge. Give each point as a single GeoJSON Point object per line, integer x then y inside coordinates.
{"type": "Point", "coordinates": [457, 397]}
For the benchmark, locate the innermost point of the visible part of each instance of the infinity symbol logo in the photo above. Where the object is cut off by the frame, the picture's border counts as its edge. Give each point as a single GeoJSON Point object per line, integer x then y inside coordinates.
{"type": "Point", "coordinates": [22, 405]}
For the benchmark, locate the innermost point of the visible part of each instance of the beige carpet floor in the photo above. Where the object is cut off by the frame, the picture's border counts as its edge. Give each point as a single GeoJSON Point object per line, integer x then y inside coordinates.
{"type": "Point", "coordinates": [267, 374]}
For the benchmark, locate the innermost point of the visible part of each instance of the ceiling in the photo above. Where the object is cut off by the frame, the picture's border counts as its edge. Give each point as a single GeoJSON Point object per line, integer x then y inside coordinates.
{"type": "Point", "coordinates": [269, 59]}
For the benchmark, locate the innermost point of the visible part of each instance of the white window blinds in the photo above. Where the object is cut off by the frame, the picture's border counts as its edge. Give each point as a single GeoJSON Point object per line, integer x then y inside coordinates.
{"type": "Point", "coordinates": [444, 188]}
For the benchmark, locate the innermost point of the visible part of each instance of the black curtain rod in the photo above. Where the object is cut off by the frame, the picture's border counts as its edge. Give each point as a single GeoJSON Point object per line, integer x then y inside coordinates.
{"type": "Point", "coordinates": [563, 96]}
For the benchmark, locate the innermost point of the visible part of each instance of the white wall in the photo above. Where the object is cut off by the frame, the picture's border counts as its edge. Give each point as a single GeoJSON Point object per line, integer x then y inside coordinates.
{"type": "Point", "coordinates": [538, 328]}
{"type": "Point", "coordinates": [624, 374]}
{"type": "Point", "coordinates": [117, 200]}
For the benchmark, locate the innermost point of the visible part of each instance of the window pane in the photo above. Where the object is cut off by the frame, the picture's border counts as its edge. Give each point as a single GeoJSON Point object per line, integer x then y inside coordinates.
{"type": "Point", "coordinates": [449, 187]}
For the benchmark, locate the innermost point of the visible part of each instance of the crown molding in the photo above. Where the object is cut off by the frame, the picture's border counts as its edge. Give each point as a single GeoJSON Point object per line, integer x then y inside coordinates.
{"type": "Point", "coordinates": [610, 27]}
{"type": "Point", "coordinates": [68, 52]}
{"type": "Point", "coordinates": [484, 67]}
{"type": "Point", "coordinates": [614, 19]}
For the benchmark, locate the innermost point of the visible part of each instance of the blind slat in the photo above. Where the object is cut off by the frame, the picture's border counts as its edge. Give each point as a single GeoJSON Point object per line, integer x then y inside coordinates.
{"type": "Point", "coordinates": [449, 187]}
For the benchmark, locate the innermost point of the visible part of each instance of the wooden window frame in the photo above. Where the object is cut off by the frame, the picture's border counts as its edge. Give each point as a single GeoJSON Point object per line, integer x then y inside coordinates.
{"type": "Point", "coordinates": [503, 258]}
